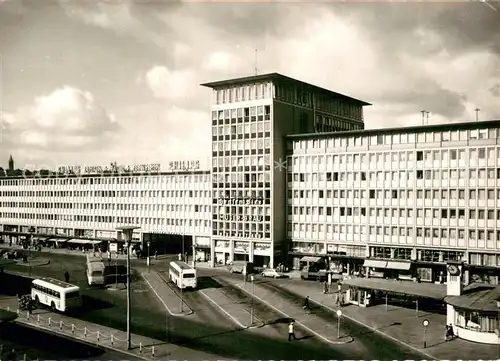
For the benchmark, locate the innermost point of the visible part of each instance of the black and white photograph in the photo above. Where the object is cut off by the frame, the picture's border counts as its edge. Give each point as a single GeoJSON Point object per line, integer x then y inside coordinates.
{"type": "Point", "coordinates": [249, 180]}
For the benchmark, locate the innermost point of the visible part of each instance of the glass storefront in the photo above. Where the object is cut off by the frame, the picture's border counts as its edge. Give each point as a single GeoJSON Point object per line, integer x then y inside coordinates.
{"type": "Point", "coordinates": [476, 321]}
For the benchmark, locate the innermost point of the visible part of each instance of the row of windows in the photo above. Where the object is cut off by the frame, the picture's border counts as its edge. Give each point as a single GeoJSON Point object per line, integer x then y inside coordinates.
{"type": "Point", "coordinates": [110, 193]}
{"type": "Point", "coordinates": [247, 210]}
{"type": "Point", "coordinates": [108, 219]}
{"type": "Point", "coordinates": [238, 129]}
{"type": "Point", "coordinates": [400, 138]}
{"type": "Point", "coordinates": [481, 174]}
{"type": "Point", "coordinates": [427, 232]}
{"type": "Point", "coordinates": [179, 208]}
{"type": "Point", "coordinates": [246, 227]}
{"type": "Point", "coordinates": [402, 159]}
{"type": "Point", "coordinates": [423, 213]}
{"type": "Point", "coordinates": [404, 194]}
{"type": "Point", "coordinates": [241, 145]}
{"type": "Point", "coordinates": [426, 255]}
{"type": "Point", "coordinates": [242, 177]}
{"type": "Point", "coordinates": [152, 179]}
{"type": "Point", "coordinates": [243, 93]}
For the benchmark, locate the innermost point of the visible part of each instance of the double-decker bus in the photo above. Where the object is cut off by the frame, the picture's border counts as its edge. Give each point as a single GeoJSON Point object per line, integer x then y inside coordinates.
{"type": "Point", "coordinates": [58, 295]}
{"type": "Point", "coordinates": [182, 274]}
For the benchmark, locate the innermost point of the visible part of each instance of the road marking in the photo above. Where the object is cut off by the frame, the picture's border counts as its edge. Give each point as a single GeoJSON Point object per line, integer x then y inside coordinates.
{"type": "Point", "coordinates": [300, 323]}
{"type": "Point", "coordinates": [373, 329]}
{"type": "Point", "coordinates": [223, 310]}
{"type": "Point", "coordinates": [161, 299]}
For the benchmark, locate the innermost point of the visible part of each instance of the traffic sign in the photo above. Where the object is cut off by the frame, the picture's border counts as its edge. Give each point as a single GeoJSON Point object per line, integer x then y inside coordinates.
{"type": "Point", "coordinates": [339, 313]}
{"type": "Point", "coordinates": [425, 323]}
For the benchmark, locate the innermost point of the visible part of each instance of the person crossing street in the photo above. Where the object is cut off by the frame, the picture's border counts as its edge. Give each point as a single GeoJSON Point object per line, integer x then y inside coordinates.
{"type": "Point", "coordinates": [291, 331]}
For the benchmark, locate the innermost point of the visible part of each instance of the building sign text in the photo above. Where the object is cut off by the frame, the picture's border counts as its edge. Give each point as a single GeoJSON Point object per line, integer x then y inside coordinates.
{"type": "Point", "coordinates": [238, 218]}
{"type": "Point", "coordinates": [240, 234]}
{"type": "Point", "coordinates": [112, 168]}
{"type": "Point", "coordinates": [184, 165]}
{"type": "Point", "coordinates": [240, 201]}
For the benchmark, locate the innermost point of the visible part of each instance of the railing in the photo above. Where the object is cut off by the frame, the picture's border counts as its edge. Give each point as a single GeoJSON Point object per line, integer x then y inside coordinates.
{"type": "Point", "coordinates": [84, 333]}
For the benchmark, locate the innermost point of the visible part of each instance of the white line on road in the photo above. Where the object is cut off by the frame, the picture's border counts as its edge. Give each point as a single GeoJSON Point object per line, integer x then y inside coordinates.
{"type": "Point", "coordinates": [284, 314]}
{"type": "Point", "coordinates": [223, 310]}
{"type": "Point", "coordinates": [161, 299]}
{"type": "Point", "coordinates": [373, 329]}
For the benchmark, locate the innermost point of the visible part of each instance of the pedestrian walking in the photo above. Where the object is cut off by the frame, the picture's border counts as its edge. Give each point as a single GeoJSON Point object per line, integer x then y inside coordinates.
{"type": "Point", "coordinates": [306, 305]}
{"type": "Point", "coordinates": [66, 276]}
{"type": "Point", "coordinates": [156, 255]}
{"type": "Point", "coordinates": [325, 288]}
{"type": "Point", "coordinates": [291, 331]}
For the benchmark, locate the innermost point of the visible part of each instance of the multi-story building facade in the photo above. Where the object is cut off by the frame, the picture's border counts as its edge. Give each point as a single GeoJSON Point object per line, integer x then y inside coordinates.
{"type": "Point", "coordinates": [294, 173]}
{"type": "Point", "coordinates": [428, 194]}
{"type": "Point", "coordinates": [168, 207]}
{"type": "Point", "coordinates": [250, 118]}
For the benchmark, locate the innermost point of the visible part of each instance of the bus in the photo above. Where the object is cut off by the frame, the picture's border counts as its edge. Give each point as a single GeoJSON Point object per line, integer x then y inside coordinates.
{"type": "Point", "coordinates": [58, 295]}
{"type": "Point", "coordinates": [95, 270]}
{"type": "Point", "coordinates": [182, 274]}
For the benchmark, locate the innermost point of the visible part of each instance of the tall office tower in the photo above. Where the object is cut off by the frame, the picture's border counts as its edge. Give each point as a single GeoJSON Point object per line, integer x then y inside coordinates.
{"type": "Point", "coordinates": [250, 118]}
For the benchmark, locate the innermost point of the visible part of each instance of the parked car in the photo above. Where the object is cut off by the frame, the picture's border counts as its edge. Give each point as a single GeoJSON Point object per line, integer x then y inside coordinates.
{"type": "Point", "coordinates": [271, 272]}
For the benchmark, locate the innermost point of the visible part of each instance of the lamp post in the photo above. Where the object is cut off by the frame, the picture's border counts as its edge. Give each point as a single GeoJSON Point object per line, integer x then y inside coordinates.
{"type": "Point", "coordinates": [339, 314]}
{"type": "Point", "coordinates": [425, 323]}
{"type": "Point", "coordinates": [253, 297]}
{"type": "Point", "coordinates": [182, 296]}
{"type": "Point", "coordinates": [149, 260]}
{"type": "Point", "coordinates": [32, 230]}
{"type": "Point", "coordinates": [127, 232]}
{"type": "Point", "coordinates": [497, 330]}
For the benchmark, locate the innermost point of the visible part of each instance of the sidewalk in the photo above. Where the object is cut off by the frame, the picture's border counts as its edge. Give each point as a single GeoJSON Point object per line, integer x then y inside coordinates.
{"type": "Point", "coordinates": [312, 323]}
{"type": "Point", "coordinates": [402, 325]}
{"type": "Point", "coordinates": [236, 311]}
{"type": "Point", "coordinates": [166, 294]}
{"type": "Point", "coordinates": [116, 340]}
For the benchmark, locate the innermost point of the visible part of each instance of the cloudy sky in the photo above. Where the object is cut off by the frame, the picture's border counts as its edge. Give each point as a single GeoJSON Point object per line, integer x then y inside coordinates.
{"type": "Point", "coordinates": [90, 82]}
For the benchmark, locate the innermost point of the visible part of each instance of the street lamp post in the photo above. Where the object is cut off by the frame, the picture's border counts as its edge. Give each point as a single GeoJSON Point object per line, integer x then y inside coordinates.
{"type": "Point", "coordinates": [339, 314]}
{"type": "Point", "coordinates": [425, 323]}
{"type": "Point", "coordinates": [252, 310]}
{"type": "Point", "coordinates": [182, 296]}
{"type": "Point", "coordinates": [149, 260]}
{"type": "Point", "coordinates": [32, 230]}
{"type": "Point", "coordinates": [127, 232]}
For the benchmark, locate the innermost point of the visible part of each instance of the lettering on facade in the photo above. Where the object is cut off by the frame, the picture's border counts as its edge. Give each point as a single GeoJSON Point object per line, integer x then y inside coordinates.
{"type": "Point", "coordinates": [256, 235]}
{"type": "Point", "coordinates": [239, 218]}
{"type": "Point", "coordinates": [184, 165]}
{"type": "Point", "coordinates": [112, 168]}
{"type": "Point", "coordinates": [240, 201]}
{"type": "Point", "coordinates": [72, 169]}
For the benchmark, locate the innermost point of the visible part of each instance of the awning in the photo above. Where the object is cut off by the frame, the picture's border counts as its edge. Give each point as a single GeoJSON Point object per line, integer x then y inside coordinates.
{"type": "Point", "coordinates": [403, 266]}
{"type": "Point", "coordinates": [95, 241]}
{"type": "Point", "coordinates": [375, 263]}
{"type": "Point", "coordinates": [58, 240]}
{"type": "Point", "coordinates": [79, 241]}
{"type": "Point", "coordinates": [310, 259]}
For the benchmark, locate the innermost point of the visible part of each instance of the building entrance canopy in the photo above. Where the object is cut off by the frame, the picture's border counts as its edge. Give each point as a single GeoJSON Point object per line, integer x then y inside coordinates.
{"type": "Point", "coordinates": [424, 290]}
{"type": "Point", "coordinates": [396, 265]}
{"type": "Point", "coordinates": [310, 259]}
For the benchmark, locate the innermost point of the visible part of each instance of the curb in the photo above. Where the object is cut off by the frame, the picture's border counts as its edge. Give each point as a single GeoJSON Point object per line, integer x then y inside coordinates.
{"type": "Point", "coordinates": [348, 339]}
{"type": "Point", "coordinates": [373, 329]}
{"type": "Point", "coordinates": [260, 324]}
{"type": "Point", "coordinates": [45, 263]}
{"type": "Point", "coordinates": [97, 345]}
{"type": "Point", "coordinates": [163, 302]}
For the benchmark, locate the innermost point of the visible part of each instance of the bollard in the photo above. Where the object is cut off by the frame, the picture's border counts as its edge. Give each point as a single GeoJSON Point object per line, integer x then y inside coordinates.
{"type": "Point", "coordinates": [60, 325]}
{"type": "Point", "coordinates": [24, 357]}
{"type": "Point", "coordinates": [27, 315]}
{"type": "Point", "coordinates": [112, 340]}
{"type": "Point", "coordinates": [152, 351]}
{"type": "Point", "coordinates": [97, 336]}
{"type": "Point", "coordinates": [38, 318]}
{"type": "Point", "coordinates": [50, 321]}
{"type": "Point", "coordinates": [85, 332]}
{"type": "Point", "coordinates": [72, 328]}
{"type": "Point", "coordinates": [140, 347]}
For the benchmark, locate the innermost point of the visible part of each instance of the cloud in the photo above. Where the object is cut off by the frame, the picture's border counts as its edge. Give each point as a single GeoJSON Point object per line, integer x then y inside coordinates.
{"type": "Point", "coordinates": [168, 84]}
{"type": "Point", "coordinates": [65, 120]}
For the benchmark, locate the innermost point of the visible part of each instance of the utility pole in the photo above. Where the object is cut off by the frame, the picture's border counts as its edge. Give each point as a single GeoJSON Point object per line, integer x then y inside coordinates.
{"type": "Point", "coordinates": [256, 62]}
{"type": "Point", "coordinates": [127, 232]}
{"type": "Point", "coordinates": [423, 116]}
{"type": "Point", "coordinates": [477, 110]}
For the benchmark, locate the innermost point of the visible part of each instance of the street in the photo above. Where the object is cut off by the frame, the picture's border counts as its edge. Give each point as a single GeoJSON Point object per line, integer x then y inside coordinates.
{"type": "Point", "coordinates": [208, 329]}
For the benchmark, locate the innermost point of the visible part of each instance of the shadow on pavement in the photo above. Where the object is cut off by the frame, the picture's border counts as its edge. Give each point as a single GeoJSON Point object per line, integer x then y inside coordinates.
{"type": "Point", "coordinates": [207, 282]}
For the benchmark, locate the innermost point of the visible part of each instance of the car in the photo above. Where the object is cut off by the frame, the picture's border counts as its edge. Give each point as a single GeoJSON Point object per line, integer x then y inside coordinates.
{"type": "Point", "coordinates": [271, 272]}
